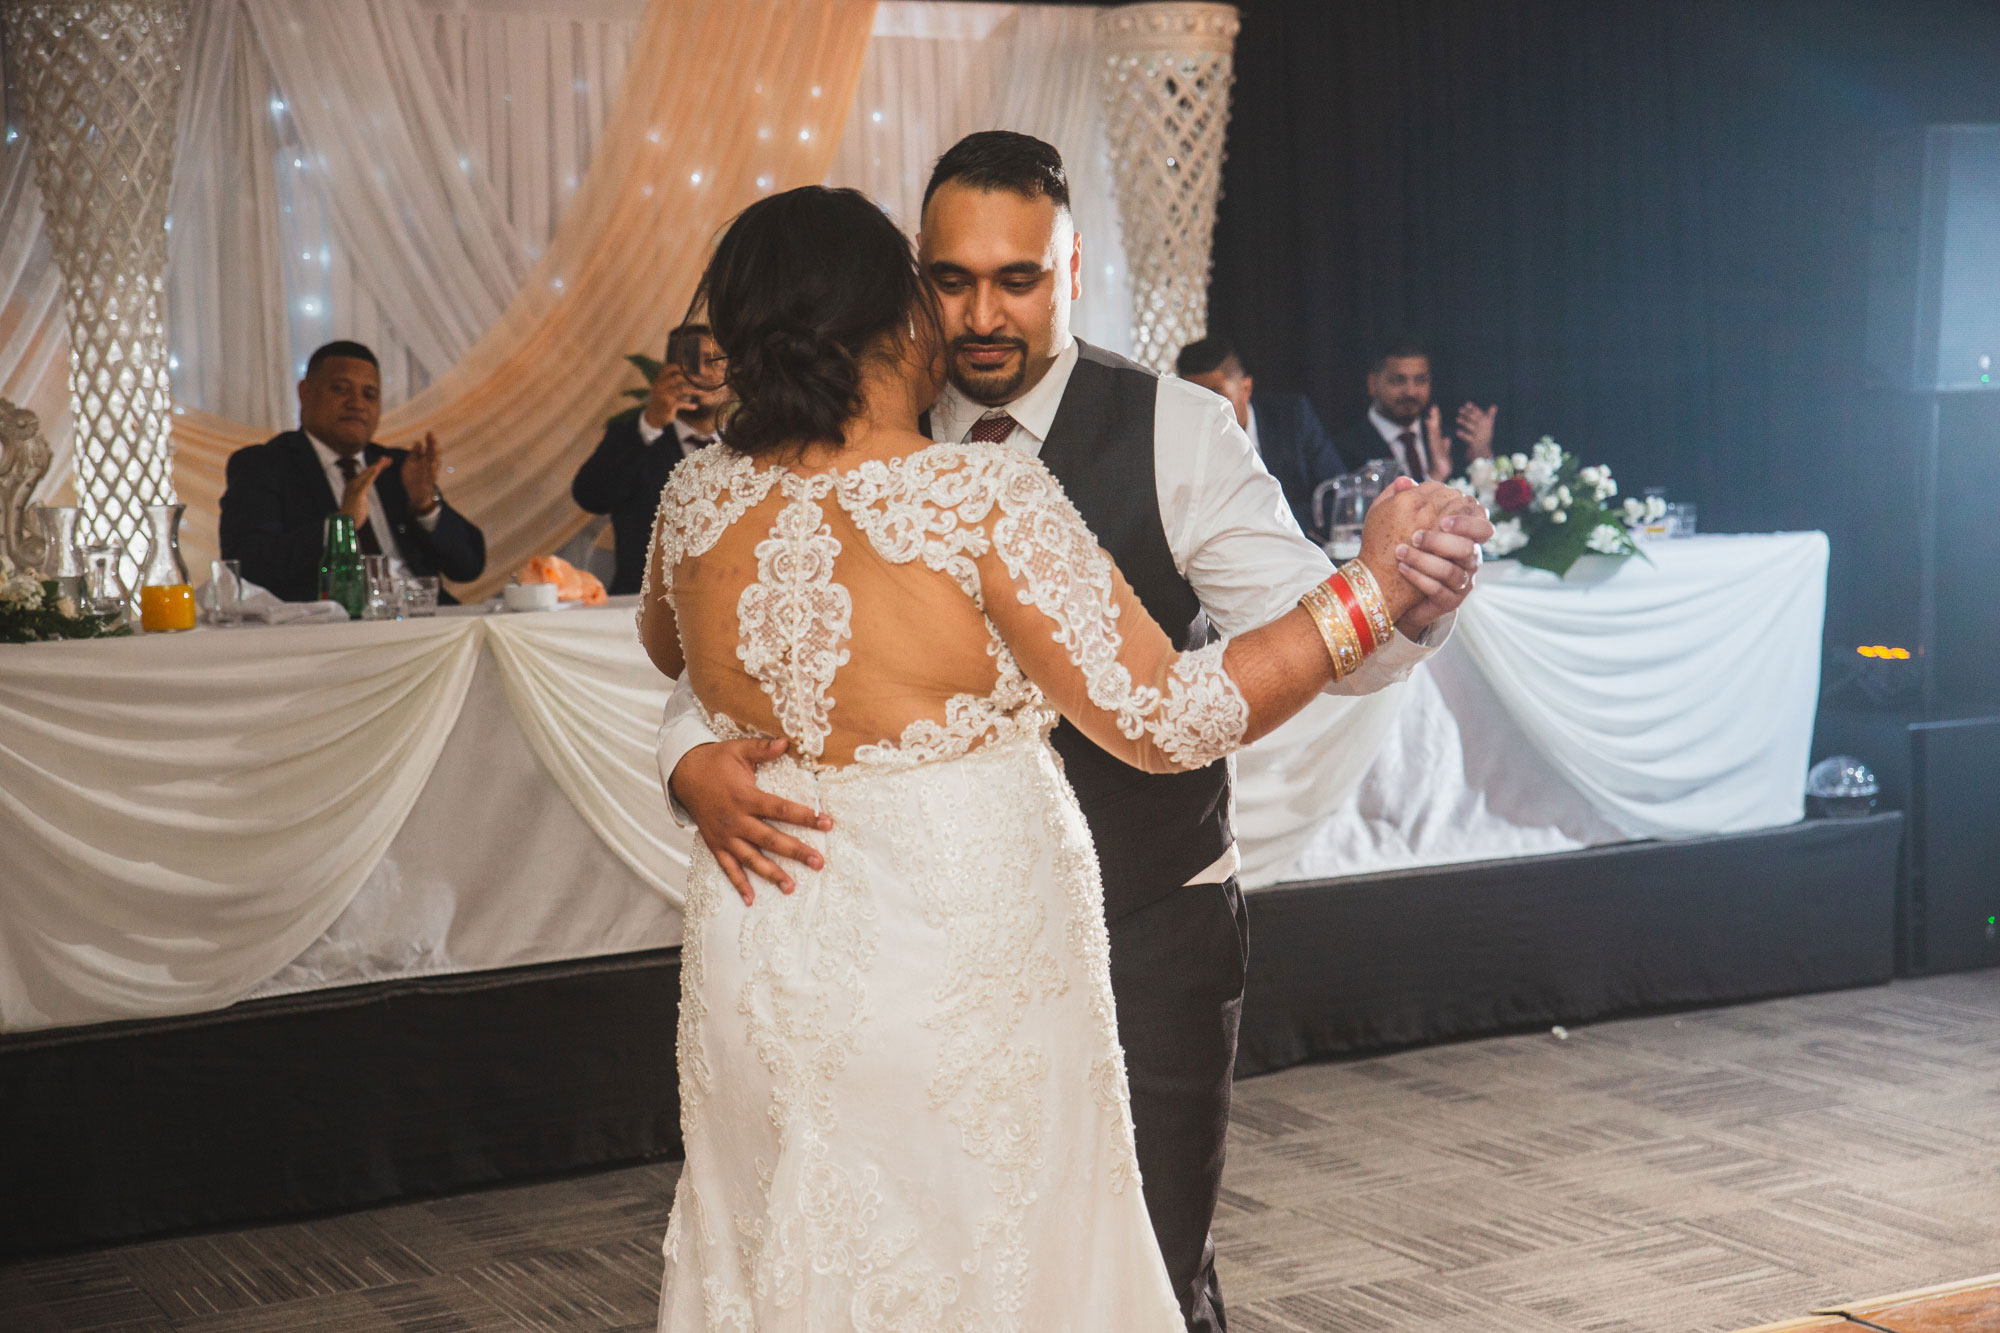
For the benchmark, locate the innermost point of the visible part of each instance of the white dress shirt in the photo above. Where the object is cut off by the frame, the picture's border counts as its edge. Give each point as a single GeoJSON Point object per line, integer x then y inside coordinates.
{"type": "Point", "coordinates": [1250, 429]}
{"type": "Point", "coordinates": [689, 439]}
{"type": "Point", "coordinates": [385, 536]}
{"type": "Point", "coordinates": [1228, 527]}
{"type": "Point", "coordinates": [1393, 435]}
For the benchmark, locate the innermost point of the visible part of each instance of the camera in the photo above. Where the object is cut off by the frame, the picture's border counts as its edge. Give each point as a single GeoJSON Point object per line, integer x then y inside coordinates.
{"type": "Point", "coordinates": [684, 351]}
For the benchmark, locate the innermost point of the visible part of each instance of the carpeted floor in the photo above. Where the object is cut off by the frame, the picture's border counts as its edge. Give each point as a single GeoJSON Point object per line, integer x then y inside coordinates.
{"type": "Point", "coordinates": [1702, 1172]}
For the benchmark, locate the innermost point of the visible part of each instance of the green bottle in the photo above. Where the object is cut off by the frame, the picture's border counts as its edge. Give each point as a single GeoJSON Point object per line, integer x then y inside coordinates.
{"type": "Point", "coordinates": [341, 577]}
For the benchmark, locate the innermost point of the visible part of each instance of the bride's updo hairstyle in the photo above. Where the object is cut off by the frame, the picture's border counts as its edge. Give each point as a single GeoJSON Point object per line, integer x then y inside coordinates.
{"type": "Point", "coordinates": [802, 288]}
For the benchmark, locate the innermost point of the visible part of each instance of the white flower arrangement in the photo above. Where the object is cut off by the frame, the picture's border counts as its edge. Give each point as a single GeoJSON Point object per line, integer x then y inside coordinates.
{"type": "Point", "coordinates": [31, 610]}
{"type": "Point", "coordinates": [20, 588]}
{"type": "Point", "coordinates": [1534, 497]}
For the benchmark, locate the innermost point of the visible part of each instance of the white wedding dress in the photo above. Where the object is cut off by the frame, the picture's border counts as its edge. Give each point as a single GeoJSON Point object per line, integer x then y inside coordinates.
{"type": "Point", "coordinates": [902, 1094]}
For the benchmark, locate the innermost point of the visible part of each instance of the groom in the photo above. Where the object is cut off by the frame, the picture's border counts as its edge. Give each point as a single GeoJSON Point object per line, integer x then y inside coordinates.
{"type": "Point", "coordinates": [1172, 487]}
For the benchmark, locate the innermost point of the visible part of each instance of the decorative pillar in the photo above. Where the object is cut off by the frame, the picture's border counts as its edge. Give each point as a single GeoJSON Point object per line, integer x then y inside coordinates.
{"type": "Point", "coordinates": [1167, 71]}
{"type": "Point", "coordinates": [99, 86]}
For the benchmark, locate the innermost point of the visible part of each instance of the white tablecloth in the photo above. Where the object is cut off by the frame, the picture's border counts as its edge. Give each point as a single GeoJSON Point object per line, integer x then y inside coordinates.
{"type": "Point", "coordinates": [189, 820]}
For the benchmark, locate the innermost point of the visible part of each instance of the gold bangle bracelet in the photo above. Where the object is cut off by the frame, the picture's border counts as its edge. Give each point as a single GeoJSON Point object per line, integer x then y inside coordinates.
{"type": "Point", "coordinates": [1369, 593]}
{"type": "Point", "coordinates": [1343, 645]}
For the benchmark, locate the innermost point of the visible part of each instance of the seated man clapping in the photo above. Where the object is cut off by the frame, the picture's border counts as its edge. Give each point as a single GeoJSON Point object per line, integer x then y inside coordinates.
{"type": "Point", "coordinates": [280, 493]}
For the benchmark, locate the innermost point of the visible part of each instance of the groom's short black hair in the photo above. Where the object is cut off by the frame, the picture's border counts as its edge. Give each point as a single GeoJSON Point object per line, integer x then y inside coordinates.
{"type": "Point", "coordinates": [1003, 160]}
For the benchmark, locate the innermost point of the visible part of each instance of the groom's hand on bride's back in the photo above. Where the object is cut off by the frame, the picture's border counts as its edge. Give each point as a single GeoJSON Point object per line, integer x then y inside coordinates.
{"type": "Point", "coordinates": [717, 785]}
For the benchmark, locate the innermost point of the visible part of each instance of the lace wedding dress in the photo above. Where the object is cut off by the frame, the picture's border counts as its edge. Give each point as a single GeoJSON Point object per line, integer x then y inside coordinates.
{"type": "Point", "coordinates": [902, 1094]}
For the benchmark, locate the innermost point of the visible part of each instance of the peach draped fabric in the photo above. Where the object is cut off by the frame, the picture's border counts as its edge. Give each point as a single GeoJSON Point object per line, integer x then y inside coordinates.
{"type": "Point", "coordinates": [680, 157]}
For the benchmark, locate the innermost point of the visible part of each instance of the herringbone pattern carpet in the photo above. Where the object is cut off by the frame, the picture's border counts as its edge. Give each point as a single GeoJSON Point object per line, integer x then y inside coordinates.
{"type": "Point", "coordinates": [1662, 1175]}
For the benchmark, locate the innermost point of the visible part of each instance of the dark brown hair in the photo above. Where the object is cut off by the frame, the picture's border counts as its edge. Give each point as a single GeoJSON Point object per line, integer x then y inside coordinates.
{"type": "Point", "coordinates": [802, 286]}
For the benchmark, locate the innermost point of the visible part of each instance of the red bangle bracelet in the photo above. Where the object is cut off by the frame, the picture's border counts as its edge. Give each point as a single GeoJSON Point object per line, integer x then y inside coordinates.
{"type": "Point", "coordinates": [1355, 614]}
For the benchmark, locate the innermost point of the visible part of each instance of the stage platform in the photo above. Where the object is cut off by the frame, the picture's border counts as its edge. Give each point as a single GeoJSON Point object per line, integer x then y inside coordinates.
{"type": "Point", "coordinates": [341, 1098]}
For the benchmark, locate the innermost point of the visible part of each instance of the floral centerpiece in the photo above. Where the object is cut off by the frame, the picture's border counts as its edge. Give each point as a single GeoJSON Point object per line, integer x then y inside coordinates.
{"type": "Point", "coordinates": [1549, 511]}
{"type": "Point", "coordinates": [31, 609]}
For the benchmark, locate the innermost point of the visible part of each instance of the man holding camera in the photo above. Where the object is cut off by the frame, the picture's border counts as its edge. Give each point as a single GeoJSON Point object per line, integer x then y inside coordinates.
{"type": "Point", "coordinates": [624, 476]}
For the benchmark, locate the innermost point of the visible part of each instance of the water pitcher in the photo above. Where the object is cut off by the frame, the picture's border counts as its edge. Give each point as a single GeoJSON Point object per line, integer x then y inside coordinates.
{"type": "Point", "coordinates": [1343, 523]}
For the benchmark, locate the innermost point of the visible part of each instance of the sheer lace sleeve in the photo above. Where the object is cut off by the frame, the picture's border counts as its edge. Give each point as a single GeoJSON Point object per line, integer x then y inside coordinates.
{"type": "Point", "coordinates": [659, 633]}
{"type": "Point", "coordinates": [1080, 633]}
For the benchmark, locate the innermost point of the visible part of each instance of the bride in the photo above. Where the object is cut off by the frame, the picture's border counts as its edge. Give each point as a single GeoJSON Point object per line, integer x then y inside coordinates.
{"type": "Point", "coordinates": [902, 1095]}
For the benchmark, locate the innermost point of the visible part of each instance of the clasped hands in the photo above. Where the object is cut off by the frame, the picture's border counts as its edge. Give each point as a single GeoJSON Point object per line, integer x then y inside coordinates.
{"type": "Point", "coordinates": [1430, 534]}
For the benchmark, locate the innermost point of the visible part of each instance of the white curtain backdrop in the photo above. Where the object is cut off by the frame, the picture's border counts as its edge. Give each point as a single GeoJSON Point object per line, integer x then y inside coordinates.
{"type": "Point", "coordinates": [34, 336]}
{"type": "Point", "coordinates": [388, 170]}
{"type": "Point", "coordinates": [936, 72]}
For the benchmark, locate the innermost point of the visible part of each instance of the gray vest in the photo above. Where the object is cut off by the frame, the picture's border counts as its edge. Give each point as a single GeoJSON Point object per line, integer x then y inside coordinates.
{"type": "Point", "coordinates": [1153, 831]}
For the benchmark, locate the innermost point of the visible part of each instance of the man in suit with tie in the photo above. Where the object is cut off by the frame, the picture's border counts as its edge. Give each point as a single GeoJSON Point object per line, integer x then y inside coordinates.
{"type": "Point", "coordinates": [624, 476]}
{"type": "Point", "coordinates": [1283, 426]}
{"type": "Point", "coordinates": [279, 494]}
{"type": "Point", "coordinates": [1403, 424]}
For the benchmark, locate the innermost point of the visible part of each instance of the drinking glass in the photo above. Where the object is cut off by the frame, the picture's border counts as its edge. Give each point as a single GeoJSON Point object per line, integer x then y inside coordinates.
{"type": "Point", "coordinates": [1663, 526]}
{"type": "Point", "coordinates": [104, 590]}
{"type": "Point", "coordinates": [61, 561]}
{"type": "Point", "coordinates": [420, 595]}
{"type": "Point", "coordinates": [382, 603]}
{"type": "Point", "coordinates": [225, 584]}
{"type": "Point", "coordinates": [1681, 519]}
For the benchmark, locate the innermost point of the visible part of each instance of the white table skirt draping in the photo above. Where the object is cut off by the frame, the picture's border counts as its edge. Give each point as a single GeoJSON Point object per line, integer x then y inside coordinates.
{"type": "Point", "coordinates": [189, 820]}
{"type": "Point", "coordinates": [182, 816]}
{"type": "Point", "coordinates": [1656, 698]}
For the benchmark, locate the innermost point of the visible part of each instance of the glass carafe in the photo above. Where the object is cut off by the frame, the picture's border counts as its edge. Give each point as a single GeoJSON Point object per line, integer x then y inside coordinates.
{"type": "Point", "coordinates": [61, 560]}
{"type": "Point", "coordinates": [104, 591]}
{"type": "Point", "coordinates": [1341, 524]}
{"type": "Point", "coordinates": [166, 597]}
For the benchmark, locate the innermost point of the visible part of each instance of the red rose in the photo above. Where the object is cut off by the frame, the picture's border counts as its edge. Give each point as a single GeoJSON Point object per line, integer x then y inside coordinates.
{"type": "Point", "coordinates": [1514, 494]}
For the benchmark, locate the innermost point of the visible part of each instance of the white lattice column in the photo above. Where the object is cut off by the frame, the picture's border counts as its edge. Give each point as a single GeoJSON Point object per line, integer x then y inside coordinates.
{"type": "Point", "coordinates": [99, 85]}
{"type": "Point", "coordinates": [1167, 72]}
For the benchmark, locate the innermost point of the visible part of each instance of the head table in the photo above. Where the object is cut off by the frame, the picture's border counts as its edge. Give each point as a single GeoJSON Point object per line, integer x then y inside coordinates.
{"type": "Point", "coordinates": [190, 820]}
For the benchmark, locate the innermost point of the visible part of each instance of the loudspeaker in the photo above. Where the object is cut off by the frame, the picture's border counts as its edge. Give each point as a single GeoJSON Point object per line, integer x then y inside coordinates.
{"type": "Point", "coordinates": [1951, 900]}
{"type": "Point", "coordinates": [1934, 261]}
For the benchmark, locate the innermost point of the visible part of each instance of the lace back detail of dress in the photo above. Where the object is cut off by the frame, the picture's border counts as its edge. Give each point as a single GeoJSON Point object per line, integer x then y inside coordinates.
{"type": "Point", "coordinates": [938, 511]}
{"type": "Point", "coordinates": [794, 620]}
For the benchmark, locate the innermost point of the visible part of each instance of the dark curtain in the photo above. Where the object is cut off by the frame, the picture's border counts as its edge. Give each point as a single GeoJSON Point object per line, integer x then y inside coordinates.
{"type": "Point", "coordinates": [1639, 228]}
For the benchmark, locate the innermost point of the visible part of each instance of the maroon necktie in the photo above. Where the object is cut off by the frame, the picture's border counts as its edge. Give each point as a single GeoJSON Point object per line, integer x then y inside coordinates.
{"type": "Point", "coordinates": [364, 535]}
{"type": "Point", "coordinates": [991, 430]}
{"type": "Point", "coordinates": [1414, 455]}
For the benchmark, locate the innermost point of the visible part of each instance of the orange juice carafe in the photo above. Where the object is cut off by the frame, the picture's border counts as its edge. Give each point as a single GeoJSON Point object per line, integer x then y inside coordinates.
{"type": "Point", "coordinates": [166, 598]}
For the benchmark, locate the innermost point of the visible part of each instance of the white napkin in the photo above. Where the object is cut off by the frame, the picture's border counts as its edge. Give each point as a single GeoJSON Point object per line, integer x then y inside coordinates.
{"type": "Point", "coordinates": [260, 606]}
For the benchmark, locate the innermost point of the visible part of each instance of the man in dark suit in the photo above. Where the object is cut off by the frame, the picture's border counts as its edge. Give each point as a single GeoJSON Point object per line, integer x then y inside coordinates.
{"type": "Point", "coordinates": [624, 476]}
{"type": "Point", "coordinates": [1403, 426]}
{"type": "Point", "coordinates": [1283, 426]}
{"type": "Point", "coordinates": [279, 494]}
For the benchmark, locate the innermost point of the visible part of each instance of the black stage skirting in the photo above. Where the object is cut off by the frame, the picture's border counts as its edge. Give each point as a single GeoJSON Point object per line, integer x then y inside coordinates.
{"type": "Point", "coordinates": [1363, 964]}
{"type": "Point", "coordinates": [343, 1098]}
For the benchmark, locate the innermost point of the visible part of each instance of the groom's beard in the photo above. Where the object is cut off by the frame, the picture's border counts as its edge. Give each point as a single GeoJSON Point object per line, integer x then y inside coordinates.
{"type": "Point", "coordinates": [994, 384]}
